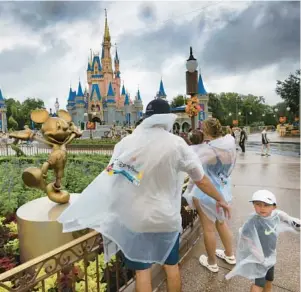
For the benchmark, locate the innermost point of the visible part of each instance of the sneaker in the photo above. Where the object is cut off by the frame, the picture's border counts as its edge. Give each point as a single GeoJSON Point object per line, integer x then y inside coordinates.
{"type": "Point", "coordinates": [221, 254]}
{"type": "Point", "coordinates": [204, 262]}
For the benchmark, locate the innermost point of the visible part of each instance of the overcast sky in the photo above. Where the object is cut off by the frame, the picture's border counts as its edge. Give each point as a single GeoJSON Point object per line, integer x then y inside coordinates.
{"type": "Point", "coordinates": [241, 47]}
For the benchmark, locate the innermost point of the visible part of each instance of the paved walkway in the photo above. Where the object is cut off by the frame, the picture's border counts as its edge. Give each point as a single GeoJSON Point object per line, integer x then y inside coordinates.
{"type": "Point", "coordinates": [252, 172]}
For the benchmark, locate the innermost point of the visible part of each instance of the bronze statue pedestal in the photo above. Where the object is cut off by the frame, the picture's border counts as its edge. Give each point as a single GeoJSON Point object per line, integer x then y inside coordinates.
{"type": "Point", "coordinates": [38, 230]}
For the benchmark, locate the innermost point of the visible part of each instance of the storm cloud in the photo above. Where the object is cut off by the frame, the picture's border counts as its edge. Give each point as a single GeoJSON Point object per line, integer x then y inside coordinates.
{"type": "Point", "coordinates": [44, 46]}
{"type": "Point", "coordinates": [266, 33]}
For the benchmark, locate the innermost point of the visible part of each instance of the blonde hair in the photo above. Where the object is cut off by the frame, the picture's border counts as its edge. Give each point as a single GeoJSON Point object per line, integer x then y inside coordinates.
{"type": "Point", "coordinates": [212, 127]}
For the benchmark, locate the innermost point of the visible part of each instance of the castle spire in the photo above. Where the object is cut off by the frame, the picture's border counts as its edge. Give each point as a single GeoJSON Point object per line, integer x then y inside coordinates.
{"type": "Point", "coordinates": [201, 88]}
{"type": "Point", "coordinates": [161, 93]}
{"type": "Point", "coordinates": [106, 36]}
{"type": "Point", "coordinates": [116, 55]}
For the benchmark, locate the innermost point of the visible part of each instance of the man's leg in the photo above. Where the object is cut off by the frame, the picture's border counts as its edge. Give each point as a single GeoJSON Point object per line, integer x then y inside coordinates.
{"type": "Point", "coordinates": [144, 281]}
{"type": "Point", "coordinates": [172, 270]}
{"type": "Point", "coordinates": [243, 146]}
{"type": "Point", "coordinates": [143, 275]}
{"type": "Point", "coordinates": [173, 278]}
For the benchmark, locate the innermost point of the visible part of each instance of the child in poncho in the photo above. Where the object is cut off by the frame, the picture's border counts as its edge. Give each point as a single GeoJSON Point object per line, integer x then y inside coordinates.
{"type": "Point", "coordinates": [256, 252]}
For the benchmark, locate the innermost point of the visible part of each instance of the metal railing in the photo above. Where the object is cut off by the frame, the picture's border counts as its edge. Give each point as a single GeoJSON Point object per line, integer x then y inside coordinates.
{"type": "Point", "coordinates": [74, 267]}
{"type": "Point", "coordinates": [30, 150]}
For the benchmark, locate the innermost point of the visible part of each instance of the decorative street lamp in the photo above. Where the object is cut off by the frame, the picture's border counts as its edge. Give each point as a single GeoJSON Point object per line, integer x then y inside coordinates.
{"type": "Point", "coordinates": [192, 107]}
{"type": "Point", "coordinates": [288, 108]}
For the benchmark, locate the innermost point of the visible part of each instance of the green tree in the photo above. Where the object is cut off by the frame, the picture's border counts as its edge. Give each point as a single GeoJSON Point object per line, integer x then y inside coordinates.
{"type": "Point", "coordinates": [289, 91]}
{"type": "Point", "coordinates": [215, 106]}
{"type": "Point", "coordinates": [12, 124]}
{"type": "Point", "coordinates": [20, 112]}
{"type": "Point", "coordinates": [178, 101]}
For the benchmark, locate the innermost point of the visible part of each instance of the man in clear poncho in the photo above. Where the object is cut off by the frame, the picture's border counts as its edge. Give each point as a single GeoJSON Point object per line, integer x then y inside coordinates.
{"type": "Point", "coordinates": [256, 250]}
{"type": "Point", "coordinates": [135, 203]}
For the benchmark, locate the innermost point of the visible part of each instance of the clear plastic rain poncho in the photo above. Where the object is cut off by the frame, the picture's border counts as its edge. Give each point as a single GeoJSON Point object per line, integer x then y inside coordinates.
{"type": "Point", "coordinates": [135, 202]}
{"type": "Point", "coordinates": [218, 159]}
{"type": "Point", "coordinates": [256, 249]}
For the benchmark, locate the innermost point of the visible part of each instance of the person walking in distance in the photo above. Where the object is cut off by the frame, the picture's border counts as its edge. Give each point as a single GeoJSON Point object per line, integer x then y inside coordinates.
{"type": "Point", "coordinates": [265, 143]}
{"type": "Point", "coordinates": [135, 202]}
{"type": "Point", "coordinates": [243, 138]}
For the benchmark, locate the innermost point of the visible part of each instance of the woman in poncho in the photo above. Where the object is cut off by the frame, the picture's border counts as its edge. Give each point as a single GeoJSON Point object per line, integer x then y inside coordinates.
{"type": "Point", "coordinates": [218, 158]}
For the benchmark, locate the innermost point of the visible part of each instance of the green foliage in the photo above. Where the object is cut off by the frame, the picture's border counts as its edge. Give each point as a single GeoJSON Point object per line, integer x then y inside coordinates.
{"type": "Point", "coordinates": [99, 142]}
{"type": "Point", "coordinates": [178, 101]}
{"type": "Point", "coordinates": [289, 91]}
{"type": "Point", "coordinates": [12, 123]}
{"type": "Point", "coordinates": [80, 171]}
{"type": "Point", "coordinates": [20, 112]}
{"type": "Point", "coordinates": [229, 106]}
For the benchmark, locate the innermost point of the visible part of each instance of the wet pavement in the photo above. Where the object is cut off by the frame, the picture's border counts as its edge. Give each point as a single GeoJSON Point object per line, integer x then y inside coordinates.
{"type": "Point", "coordinates": [279, 174]}
{"type": "Point", "coordinates": [273, 137]}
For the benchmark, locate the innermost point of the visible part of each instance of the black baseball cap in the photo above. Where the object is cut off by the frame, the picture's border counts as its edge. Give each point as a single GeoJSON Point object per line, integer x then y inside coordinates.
{"type": "Point", "coordinates": [157, 106]}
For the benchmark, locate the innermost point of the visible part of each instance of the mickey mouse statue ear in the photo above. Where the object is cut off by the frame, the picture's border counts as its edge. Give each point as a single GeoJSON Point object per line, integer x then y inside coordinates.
{"type": "Point", "coordinates": [64, 115]}
{"type": "Point", "coordinates": [39, 116]}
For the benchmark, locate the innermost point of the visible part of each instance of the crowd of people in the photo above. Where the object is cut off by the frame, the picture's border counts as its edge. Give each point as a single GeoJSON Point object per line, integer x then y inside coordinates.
{"type": "Point", "coordinates": [135, 202]}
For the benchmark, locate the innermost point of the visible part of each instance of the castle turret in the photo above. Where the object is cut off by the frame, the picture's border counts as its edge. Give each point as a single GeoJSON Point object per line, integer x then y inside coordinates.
{"type": "Point", "coordinates": [116, 84]}
{"type": "Point", "coordinates": [138, 106]}
{"type": "Point", "coordinates": [127, 110]}
{"type": "Point", "coordinates": [111, 105]}
{"type": "Point", "coordinates": [71, 100]}
{"type": "Point", "coordinates": [203, 100]}
{"type": "Point", "coordinates": [161, 93]}
{"type": "Point", "coordinates": [106, 58]}
{"type": "Point", "coordinates": [56, 106]}
{"type": "Point", "coordinates": [201, 88]}
{"type": "Point", "coordinates": [3, 110]}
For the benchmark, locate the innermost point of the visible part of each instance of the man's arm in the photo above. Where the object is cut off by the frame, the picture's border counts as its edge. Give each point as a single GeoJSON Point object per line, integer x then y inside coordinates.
{"type": "Point", "coordinates": [206, 186]}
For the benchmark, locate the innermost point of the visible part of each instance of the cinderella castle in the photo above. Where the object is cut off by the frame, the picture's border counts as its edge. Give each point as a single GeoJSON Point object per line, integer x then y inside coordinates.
{"type": "Point", "coordinates": [103, 100]}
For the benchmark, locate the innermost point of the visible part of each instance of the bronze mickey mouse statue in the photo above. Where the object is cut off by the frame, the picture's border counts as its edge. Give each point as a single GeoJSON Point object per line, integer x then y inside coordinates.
{"type": "Point", "coordinates": [57, 133]}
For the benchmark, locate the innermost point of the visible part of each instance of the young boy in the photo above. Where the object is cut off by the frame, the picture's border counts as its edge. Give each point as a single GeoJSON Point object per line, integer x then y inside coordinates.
{"type": "Point", "coordinates": [256, 252]}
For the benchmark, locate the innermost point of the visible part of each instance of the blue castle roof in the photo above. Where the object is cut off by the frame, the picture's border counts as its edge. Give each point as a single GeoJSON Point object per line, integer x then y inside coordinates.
{"type": "Point", "coordinates": [103, 53]}
{"type": "Point", "coordinates": [110, 90]}
{"type": "Point", "coordinates": [71, 97]}
{"type": "Point", "coordinates": [116, 57]}
{"type": "Point", "coordinates": [89, 67]}
{"type": "Point", "coordinates": [95, 89]}
{"type": "Point", "coordinates": [161, 89]}
{"type": "Point", "coordinates": [2, 102]}
{"type": "Point", "coordinates": [127, 99]}
{"type": "Point", "coordinates": [201, 88]}
{"type": "Point", "coordinates": [97, 61]}
{"type": "Point", "coordinates": [79, 90]}
{"type": "Point", "coordinates": [1, 97]}
{"type": "Point", "coordinates": [123, 90]}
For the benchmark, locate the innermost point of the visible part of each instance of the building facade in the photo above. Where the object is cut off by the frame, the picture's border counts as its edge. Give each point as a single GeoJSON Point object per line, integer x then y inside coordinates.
{"type": "Point", "coordinates": [104, 100]}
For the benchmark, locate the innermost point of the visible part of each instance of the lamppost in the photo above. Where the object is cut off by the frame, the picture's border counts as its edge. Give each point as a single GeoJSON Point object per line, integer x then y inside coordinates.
{"type": "Point", "coordinates": [192, 87]}
{"type": "Point", "coordinates": [250, 113]}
